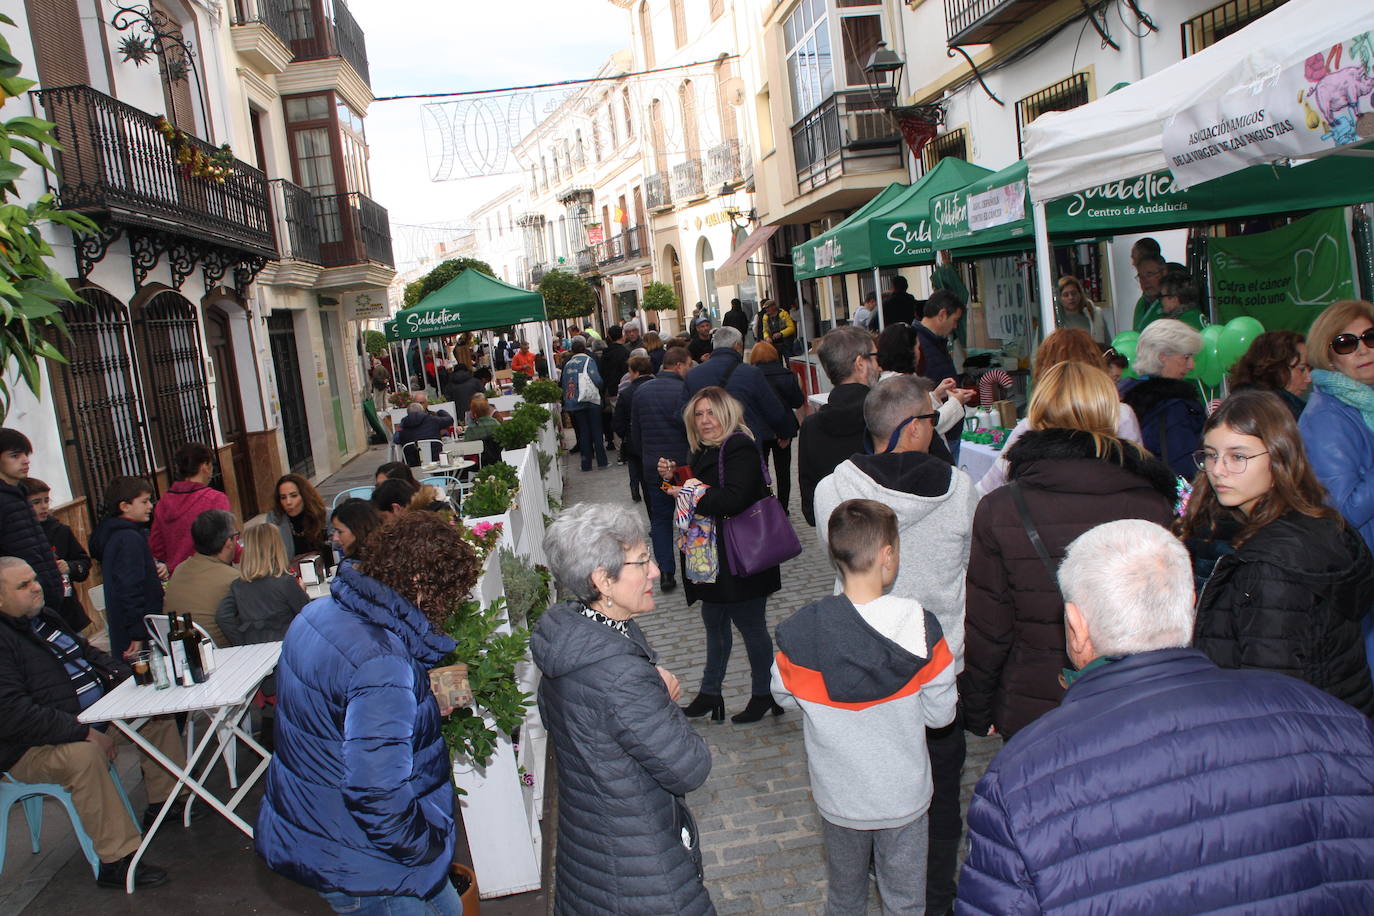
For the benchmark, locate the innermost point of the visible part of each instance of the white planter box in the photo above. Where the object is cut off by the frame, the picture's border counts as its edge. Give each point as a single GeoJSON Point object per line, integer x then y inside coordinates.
{"type": "Point", "coordinates": [497, 814]}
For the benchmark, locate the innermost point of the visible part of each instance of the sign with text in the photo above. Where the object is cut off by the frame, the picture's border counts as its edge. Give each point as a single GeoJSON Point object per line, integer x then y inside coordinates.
{"type": "Point", "coordinates": [366, 305]}
{"type": "Point", "coordinates": [1292, 113]}
{"type": "Point", "coordinates": [997, 206]}
{"type": "Point", "coordinates": [1008, 299]}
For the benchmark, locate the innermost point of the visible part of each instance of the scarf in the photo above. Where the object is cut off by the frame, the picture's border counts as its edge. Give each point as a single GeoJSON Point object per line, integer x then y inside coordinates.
{"type": "Point", "coordinates": [696, 536]}
{"type": "Point", "coordinates": [1348, 391]}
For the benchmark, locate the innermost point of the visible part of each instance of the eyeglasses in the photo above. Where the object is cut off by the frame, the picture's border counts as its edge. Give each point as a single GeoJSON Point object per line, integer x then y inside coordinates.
{"type": "Point", "coordinates": [1234, 464]}
{"type": "Point", "coordinates": [1345, 344]}
{"type": "Point", "coordinates": [873, 355]}
{"type": "Point", "coordinates": [639, 562]}
{"type": "Point", "coordinates": [926, 416]}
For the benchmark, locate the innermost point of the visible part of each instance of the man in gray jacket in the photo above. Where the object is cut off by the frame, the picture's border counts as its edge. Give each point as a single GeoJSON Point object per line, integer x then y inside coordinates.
{"type": "Point", "coordinates": [934, 503]}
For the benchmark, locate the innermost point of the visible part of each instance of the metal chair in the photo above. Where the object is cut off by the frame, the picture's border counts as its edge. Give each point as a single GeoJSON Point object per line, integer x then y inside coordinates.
{"type": "Point", "coordinates": [415, 448]}
{"type": "Point", "coordinates": [31, 795]}
{"type": "Point", "coordinates": [351, 493]}
{"type": "Point", "coordinates": [451, 485]}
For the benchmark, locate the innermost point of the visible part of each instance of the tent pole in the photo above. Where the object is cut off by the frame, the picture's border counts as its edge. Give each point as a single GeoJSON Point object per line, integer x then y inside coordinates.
{"type": "Point", "coordinates": [801, 309]}
{"type": "Point", "coordinates": [878, 296]}
{"type": "Point", "coordinates": [1044, 274]}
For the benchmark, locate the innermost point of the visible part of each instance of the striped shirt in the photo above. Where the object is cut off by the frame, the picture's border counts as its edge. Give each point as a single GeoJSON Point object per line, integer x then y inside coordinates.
{"type": "Point", "coordinates": [85, 680]}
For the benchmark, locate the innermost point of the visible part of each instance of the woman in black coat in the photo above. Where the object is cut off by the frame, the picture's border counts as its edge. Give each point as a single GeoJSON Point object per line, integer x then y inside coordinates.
{"type": "Point", "coordinates": [715, 425]}
{"type": "Point", "coordinates": [626, 756]}
{"type": "Point", "coordinates": [1292, 591]}
{"type": "Point", "coordinates": [785, 385]}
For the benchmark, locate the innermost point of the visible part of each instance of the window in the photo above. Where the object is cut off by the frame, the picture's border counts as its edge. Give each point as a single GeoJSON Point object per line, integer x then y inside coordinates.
{"type": "Point", "coordinates": [861, 36]}
{"type": "Point", "coordinates": [646, 34]}
{"type": "Point", "coordinates": [1062, 96]}
{"type": "Point", "coordinates": [610, 124]}
{"type": "Point", "coordinates": [596, 140]}
{"type": "Point", "coordinates": [679, 23]}
{"type": "Point", "coordinates": [725, 72]}
{"type": "Point", "coordinates": [1224, 19]}
{"type": "Point", "coordinates": [174, 375]}
{"type": "Point", "coordinates": [952, 143]}
{"type": "Point", "coordinates": [659, 136]}
{"type": "Point", "coordinates": [354, 144]}
{"type": "Point", "coordinates": [629, 117]}
{"type": "Point", "coordinates": [810, 74]}
{"type": "Point", "coordinates": [687, 99]}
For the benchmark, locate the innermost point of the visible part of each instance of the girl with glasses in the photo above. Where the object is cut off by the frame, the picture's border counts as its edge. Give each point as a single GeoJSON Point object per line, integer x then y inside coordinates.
{"type": "Point", "coordinates": [1290, 581]}
{"type": "Point", "coordinates": [1338, 423]}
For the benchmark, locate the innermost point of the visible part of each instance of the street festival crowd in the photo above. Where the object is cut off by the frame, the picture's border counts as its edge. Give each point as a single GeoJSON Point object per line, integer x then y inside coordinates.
{"type": "Point", "coordinates": [1161, 605]}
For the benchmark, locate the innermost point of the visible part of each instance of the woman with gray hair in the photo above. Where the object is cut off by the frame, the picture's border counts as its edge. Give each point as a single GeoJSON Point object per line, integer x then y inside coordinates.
{"type": "Point", "coordinates": [626, 754]}
{"type": "Point", "coordinates": [1169, 407]}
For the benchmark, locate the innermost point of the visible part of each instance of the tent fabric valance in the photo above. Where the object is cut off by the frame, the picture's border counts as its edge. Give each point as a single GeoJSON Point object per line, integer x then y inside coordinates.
{"type": "Point", "coordinates": [471, 301]}
{"type": "Point", "coordinates": [817, 257]}
{"type": "Point", "coordinates": [734, 270]}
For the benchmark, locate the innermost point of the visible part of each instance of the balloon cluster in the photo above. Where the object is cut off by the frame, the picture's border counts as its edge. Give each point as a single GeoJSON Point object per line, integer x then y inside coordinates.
{"type": "Point", "coordinates": [1222, 345]}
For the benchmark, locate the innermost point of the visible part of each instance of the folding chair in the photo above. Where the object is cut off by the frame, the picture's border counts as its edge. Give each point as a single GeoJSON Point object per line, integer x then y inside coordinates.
{"type": "Point", "coordinates": [350, 493]}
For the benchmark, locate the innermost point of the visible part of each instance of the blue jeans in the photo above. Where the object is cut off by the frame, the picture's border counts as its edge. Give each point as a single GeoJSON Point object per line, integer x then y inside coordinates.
{"type": "Point", "coordinates": [758, 645]}
{"type": "Point", "coordinates": [444, 903]}
{"type": "Point", "coordinates": [587, 420]}
{"type": "Point", "coordinates": [660, 507]}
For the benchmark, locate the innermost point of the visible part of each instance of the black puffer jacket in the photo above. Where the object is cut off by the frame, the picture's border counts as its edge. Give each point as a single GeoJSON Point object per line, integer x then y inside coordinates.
{"type": "Point", "coordinates": [1171, 419]}
{"type": "Point", "coordinates": [1290, 599]}
{"type": "Point", "coordinates": [460, 388]}
{"type": "Point", "coordinates": [833, 434]}
{"type": "Point", "coordinates": [1014, 627]}
{"type": "Point", "coordinates": [67, 547]}
{"type": "Point", "coordinates": [21, 536]}
{"type": "Point", "coordinates": [743, 487]}
{"type": "Point", "coordinates": [38, 703]}
{"type": "Point", "coordinates": [625, 752]}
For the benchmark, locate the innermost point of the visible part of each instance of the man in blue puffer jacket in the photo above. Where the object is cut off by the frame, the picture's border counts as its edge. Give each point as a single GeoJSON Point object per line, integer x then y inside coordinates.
{"type": "Point", "coordinates": [1162, 783]}
{"type": "Point", "coordinates": [764, 412]}
{"type": "Point", "coordinates": [359, 801]}
{"type": "Point", "coordinates": [657, 431]}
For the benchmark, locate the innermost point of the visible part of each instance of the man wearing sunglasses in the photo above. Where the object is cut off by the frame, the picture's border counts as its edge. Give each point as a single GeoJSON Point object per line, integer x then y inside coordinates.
{"type": "Point", "coordinates": [934, 502]}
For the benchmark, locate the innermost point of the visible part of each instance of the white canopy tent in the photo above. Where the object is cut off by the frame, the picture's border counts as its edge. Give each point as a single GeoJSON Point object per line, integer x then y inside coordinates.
{"type": "Point", "coordinates": [1122, 135]}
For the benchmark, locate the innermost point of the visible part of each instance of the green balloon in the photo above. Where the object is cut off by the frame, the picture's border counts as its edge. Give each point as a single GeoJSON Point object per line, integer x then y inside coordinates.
{"type": "Point", "coordinates": [1123, 337]}
{"type": "Point", "coordinates": [1209, 368]}
{"type": "Point", "coordinates": [1236, 338]}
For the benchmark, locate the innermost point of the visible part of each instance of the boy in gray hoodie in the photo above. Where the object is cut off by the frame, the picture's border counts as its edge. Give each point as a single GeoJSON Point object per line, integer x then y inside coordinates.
{"type": "Point", "coordinates": [871, 672]}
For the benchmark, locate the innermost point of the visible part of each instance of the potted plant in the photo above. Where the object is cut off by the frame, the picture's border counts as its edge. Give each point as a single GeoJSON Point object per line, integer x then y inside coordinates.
{"type": "Point", "coordinates": [519, 431]}
{"type": "Point", "coordinates": [502, 471]}
{"type": "Point", "coordinates": [543, 391]}
{"type": "Point", "coordinates": [488, 497]}
{"type": "Point", "coordinates": [518, 381]}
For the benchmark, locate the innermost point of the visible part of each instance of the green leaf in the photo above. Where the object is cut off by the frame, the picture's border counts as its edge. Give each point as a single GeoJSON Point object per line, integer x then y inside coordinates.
{"type": "Point", "coordinates": [16, 86]}
{"type": "Point", "coordinates": [33, 153]}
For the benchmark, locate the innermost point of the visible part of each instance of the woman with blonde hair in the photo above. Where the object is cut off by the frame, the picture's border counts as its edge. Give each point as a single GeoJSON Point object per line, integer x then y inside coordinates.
{"type": "Point", "coordinates": [1076, 310]}
{"type": "Point", "coordinates": [1070, 472]}
{"type": "Point", "coordinates": [653, 345]}
{"type": "Point", "coordinates": [265, 598]}
{"type": "Point", "coordinates": [723, 477]}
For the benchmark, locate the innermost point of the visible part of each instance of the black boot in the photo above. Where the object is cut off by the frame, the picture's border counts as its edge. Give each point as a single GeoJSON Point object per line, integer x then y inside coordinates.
{"type": "Point", "coordinates": [667, 584]}
{"type": "Point", "coordinates": [704, 703]}
{"type": "Point", "coordinates": [112, 874]}
{"type": "Point", "coordinates": [758, 706]}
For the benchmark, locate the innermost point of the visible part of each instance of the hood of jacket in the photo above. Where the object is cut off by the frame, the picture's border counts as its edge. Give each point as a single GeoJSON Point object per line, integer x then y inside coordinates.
{"type": "Point", "coordinates": [376, 603]}
{"type": "Point", "coordinates": [904, 475]}
{"type": "Point", "coordinates": [106, 531]}
{"type": "Point", "coordinates": [565, 641]}
{"type": "Point", "coordinates": [1055, 459]}
{"type": "Point", "coordinates": [1331, 557]}
{"type": "Point", "coordinates": [1145, 394]}
{"type": "Point", "coordinates": [842, 415]}
{"type": "Point", "coordinates": [412, 420]}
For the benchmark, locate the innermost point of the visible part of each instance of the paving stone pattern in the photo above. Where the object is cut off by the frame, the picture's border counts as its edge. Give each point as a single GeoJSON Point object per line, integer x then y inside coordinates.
{"type": "Point", "coordinates": [760, 833]}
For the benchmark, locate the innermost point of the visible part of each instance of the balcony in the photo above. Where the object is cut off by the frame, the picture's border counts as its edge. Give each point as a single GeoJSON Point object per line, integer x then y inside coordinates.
{"type": "Point", "coordinates": [1224, 19]}
{"type": "Point", "coordinates": [586, 261]}
{"type": "Point", "coordinates": [658, 193]}
{"type": "Point", "coordinates": [977, 22]}
{"type": "Point", "coordinates": [625, 246]}
{"type": "Point", "coordinates": [315, 35]}
{"type": "Point", "coordinates": [537, 273]}
{"type": "Point", "coordinates": [687, 183]}
{"type": "Point", "coordinates": [115, 162]}
{"type": "Point", "coordinates": [293, 222]}
{"type": "Point", "coordinates": [848, 132]}
{"type": "Point", "coordinates": [261, 33]}
{"type": "Point", "coordinates": [354, 229]}
{"type": "Point", "coordinates": [723, 165]}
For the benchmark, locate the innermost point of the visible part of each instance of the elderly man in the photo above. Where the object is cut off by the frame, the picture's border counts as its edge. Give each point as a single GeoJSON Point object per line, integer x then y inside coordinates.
{"type": "Point", "coordinates": [835, 432]}
{"type": "Point", "coordinates": [202, 580]}
{"type": "Point", "coordinates": [418, 424]}
{"type": "Point", "coordinates": [764, 413]}
{"type": "Point", "coordinates": [48, 675]}
{"type": "Point", "coordinates": [1162, 783]}
{"type": "Point", "coordinates": [1149, 273]}
{"type": "Point", "coordinates": [934, 503]}
{"type": "Point", "coordinates": [523, 360]}
{"type": "Point", "coordinates": [700, 345]}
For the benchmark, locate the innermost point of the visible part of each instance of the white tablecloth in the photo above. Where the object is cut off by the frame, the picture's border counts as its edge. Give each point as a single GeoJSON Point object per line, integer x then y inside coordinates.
{"type": "Point", "coordinates": [976, 458]}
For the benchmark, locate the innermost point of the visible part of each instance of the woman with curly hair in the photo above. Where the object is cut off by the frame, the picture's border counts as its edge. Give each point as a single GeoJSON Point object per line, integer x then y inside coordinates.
{"type": "Point", "coordinates": [1277, 362]}
{"type": "Point", "coordinates": [359, 805]}
{"type": "Point", "coordinates": [300, 517]}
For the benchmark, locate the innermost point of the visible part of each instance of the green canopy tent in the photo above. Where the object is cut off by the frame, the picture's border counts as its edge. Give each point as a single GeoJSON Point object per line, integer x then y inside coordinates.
{"type": "Point", "coordinates": [816, 257]}
{"type": "Point", "coordinates": [471, 301]}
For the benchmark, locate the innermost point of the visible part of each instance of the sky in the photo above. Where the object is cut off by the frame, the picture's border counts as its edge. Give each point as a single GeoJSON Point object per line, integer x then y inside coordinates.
{"type": "Point", "coordinates": [440, 45]}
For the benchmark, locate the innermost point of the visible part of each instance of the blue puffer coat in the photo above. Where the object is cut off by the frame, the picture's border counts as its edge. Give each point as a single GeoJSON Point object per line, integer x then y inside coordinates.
{"type": "Point", "coordinates": [1341, 449]}
{"type": "Point", "coordinates": [656, 426]}
{"type": "Point", "coordinates": [1163, 784]}
{"type": "Point", "coordinates": [358, 795]}
{"type": "Point", "coordinates": [624, 752]}
{"type": "Point", "coordinates": [763, 410]}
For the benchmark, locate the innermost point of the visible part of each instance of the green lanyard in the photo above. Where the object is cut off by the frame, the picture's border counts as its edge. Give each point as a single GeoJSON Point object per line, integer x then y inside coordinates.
{"type": "Point", "coordinates": [1069, 675]}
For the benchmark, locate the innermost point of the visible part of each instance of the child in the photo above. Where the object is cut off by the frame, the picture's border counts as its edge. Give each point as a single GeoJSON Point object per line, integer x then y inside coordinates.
{"type": "Point", "coordinates": [871, 672]}
{"type": "Point", "coordinates": [73, 561]}
{"type": "Point", "coordinates": [20, 534]}
{"type": "Point", "coordinates": [133, 583]}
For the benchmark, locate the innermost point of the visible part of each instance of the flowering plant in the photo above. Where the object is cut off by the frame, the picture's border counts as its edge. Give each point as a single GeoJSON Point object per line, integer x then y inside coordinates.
{"type": "Point", "coordinates": [215, 166]}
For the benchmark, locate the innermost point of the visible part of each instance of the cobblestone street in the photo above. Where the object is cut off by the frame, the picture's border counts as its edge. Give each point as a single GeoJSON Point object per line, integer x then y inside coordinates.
{"type": "Point", "coordinates": [760, 833]}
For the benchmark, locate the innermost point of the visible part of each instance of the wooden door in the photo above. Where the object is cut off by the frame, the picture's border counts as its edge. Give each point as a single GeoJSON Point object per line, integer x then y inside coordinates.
{"type": "Point", "coordinates": [229, 406]}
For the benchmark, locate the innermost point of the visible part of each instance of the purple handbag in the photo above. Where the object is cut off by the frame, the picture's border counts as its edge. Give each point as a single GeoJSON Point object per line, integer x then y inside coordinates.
{"type": "Point", "coordinates": [761, 536]}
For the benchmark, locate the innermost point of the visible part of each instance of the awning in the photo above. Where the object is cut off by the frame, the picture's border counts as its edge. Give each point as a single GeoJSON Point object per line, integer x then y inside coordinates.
{"type": "Point", "coordinates": [471, 301]}
{"type": "Point", "coordinates": [735, 270]}
{"type": "Point", "coordinates": [1270, 88]}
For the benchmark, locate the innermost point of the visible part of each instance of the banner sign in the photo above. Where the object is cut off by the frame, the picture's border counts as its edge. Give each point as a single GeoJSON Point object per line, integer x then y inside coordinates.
{"type": "Point", "coordinates": [1009, 299]}
{"type": "Point", "coordinates": [997, 206]}
{"type": "Point", "coordinates": [1292, 113]}
{"type": "Point", "coordinates": [1286, 276]}
{"type": "Point", "coordinates": [908, 240]}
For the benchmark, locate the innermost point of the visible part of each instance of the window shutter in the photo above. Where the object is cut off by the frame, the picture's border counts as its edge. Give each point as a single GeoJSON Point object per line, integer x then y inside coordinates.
{"type": "Point", "coordinates": [59, 52]}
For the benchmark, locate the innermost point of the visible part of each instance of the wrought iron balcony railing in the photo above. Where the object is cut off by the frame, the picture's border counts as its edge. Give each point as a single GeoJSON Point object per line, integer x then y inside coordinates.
{"type": "Point", "coordinates": [294, 223]}
{"type": "Point", "coordinates": [537, 273]}
{"type": "Point", "coordinates": [586, 261]}
{"type": "Point", "coordinates": [722, 165]}
{"type": "Point", "coordinates": [116, 161]}
{"type": "Point", "coordinates": [976, 22]}
{"type": "Point", "coordinates": [623, 246]}
{"type": "Point", "coordinates": [271, 13]}
{"type": "Point", "coordinates": [1224, 19]}
{"type": "Point", "coordinates": [687, 183]}
{"type": "Point", "coordinates": [845, 127]}
{"type": "Point", "coordinates": [315, 34]}
{"type": "Point", "coordinates": [658, 193]}
{"type": "Point", "coordinates": [354, 229]}
{"type": "Point", "coordinates": [634, 242]}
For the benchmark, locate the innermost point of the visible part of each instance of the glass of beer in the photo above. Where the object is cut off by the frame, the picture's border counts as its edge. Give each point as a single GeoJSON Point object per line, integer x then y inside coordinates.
{"type": "Point", "coordinates": [142, 663]}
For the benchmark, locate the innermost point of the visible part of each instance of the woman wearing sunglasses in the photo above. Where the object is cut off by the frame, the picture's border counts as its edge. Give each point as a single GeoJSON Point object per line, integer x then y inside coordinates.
{"type": "Point", "coordinates": [1338, 423]}
{"type": "Point", "coordinates": [1289, 592]}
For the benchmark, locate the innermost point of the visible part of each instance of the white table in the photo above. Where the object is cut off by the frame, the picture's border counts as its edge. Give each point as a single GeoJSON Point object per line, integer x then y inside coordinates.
{"type": "Point", "coordinates": [225, 696]}
{"type": "Point", "coordinates": [434, 468]}
{"type": "Point", "coordinates": [976, 458]}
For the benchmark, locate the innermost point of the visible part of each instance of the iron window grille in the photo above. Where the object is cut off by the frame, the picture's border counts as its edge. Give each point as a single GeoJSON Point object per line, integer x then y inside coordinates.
{"type": "Point", "coordinates": [1209, 27]}
{"type": "Point", "coordinates": [952, 143]}
{"type": "Point", "coordinates": [1062, 96]}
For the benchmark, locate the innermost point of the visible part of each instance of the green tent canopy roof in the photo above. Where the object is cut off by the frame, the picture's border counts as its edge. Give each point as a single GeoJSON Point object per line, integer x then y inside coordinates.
{"type": "Point", "coordinates": [806, 255]}
{"type": "Point", "coordinates": [471, 301]}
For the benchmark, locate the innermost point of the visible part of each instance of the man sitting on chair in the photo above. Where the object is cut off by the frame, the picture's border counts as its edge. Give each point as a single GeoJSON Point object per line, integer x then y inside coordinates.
{"type": "Point", "coordinates": [48, 675]}
{"type": "Point", "coordinates": [421, 423]}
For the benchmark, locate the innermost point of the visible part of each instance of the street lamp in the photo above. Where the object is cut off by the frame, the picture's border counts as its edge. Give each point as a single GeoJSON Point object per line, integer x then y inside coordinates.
{"type": "Point", "coordinates": [883, 65]}
{"type": "Point", "coordinates": [738, 218]}
{"type": "Point", "coordinates": [918, 124]}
